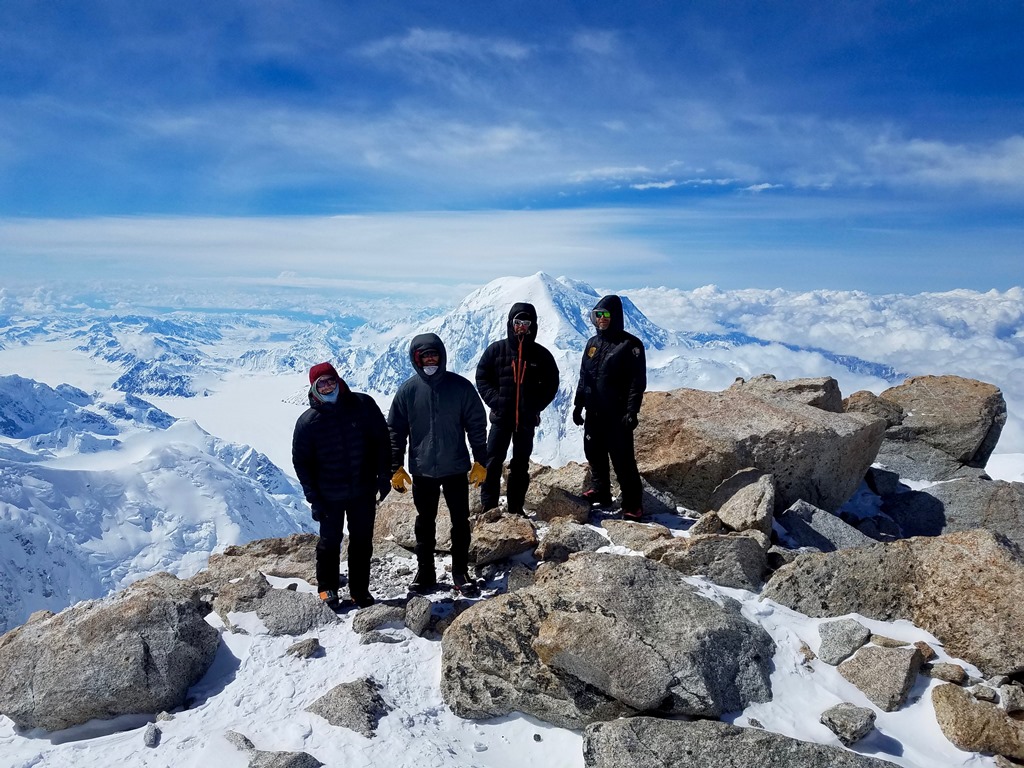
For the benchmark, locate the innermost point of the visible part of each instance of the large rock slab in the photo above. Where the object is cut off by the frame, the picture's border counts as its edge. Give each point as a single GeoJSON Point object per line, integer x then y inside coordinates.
{"type": "Point", "coordinates": [809, 526]}
{"type": "Point", "coordinates": [497, 536]}
{"type": "Point", "coordinates": [746, 501]}
{"type": "Point", "coordinates": [647, 742]}
{"type": "Point", "coordinates": [884, 675]}
{"type": "Point", "coordinates": [563, 537]}
{"type": "Point", "coordinates": [960, 505]}
{"type": "Point", "coordinates": [289, 557]}
{"type": "Point", "coordinates": [822, 392]}
{"type": "Point", "coordinates": [730, 560]}
{"type": "Point", "coordinates": [965, 588]}
{"type": "Point", "coordinates": [976, 726]}
{"type": "Point", "coordinates": [689, 441]}
{"type": "Point", "coordinates": [938, 425]}
{"type": "Point", "coordinates": [602, 636]}
{"type": "Point", "coordinates": [282, 611]}
{"type": "Point", "coordinates": [396, 520]}
{"type": "Point", "coordinates": [138, 651]}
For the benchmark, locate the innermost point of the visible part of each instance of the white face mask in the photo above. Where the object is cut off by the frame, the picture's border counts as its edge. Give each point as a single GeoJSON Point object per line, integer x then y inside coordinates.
{"type": "Point", "coordinates": [430, 370]}
{"type": "Point", "coordinates": [331, 398]}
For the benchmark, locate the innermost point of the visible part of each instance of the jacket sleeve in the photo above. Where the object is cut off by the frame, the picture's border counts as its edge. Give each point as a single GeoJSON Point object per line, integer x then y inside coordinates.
{"type": "Point", "coordinates": [579, 398]}
{"type": "Point", "coordinates": [487, 377]}
{"type": "Point", "coordinates": [304, 461]}
{"type": "Point", "coordinates": [475, 421]}
{"type": "Point", "coordinates": [398, 429]}
{"type": "Point", "coordinates": [381, 437]}
{"type": "Point", "coordinates": [638, 377]}
{"type": "Point", "coordinates": [549, 380]}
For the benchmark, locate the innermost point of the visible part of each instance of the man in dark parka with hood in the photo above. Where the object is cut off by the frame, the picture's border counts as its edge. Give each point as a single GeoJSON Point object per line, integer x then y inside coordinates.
{"type": "Point", "coordinates": [517, 379]}
{"type": "Point", "coordinates": [613, 377]}
{"type": "Point", "coordinates": [341, 451]}
{"type": "Point", "coordinates": [435, 411]}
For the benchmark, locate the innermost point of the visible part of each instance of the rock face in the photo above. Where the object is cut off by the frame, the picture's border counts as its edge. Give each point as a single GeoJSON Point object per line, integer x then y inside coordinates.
{"type": "Point", "coordinates": [965, 588]}
{"type": "Point", "coordinates": [731, 560]}
{"type": "Point", "coordinates": [809, 526]}
{"type": "Point", "coordinates": [821, 392]}
{"type": "Point", "coordinates": [745, 501]}
{"type": "Point", "coordinates": [282, 611]}
{"type": "Point", "coordinates": [290, 557]}
{"type": "Point", "coordinates": [136, 652]}
{"type": "Point", "coordinates": [602, 636]}
{"type": "Point", "coordinates": [357, 705]}
{"type": "Point", "coordinates": [647, 742]}
{"type": "Point", "coordinates": [396, 519]}
{"type": "Point", "coordinates": [960, 505]}
{"type": "Point", "coordinates": [564, 537]}
{"type": "Point", "coordinates": [689, 441]}
{"type": "Point", "coordinates": [884, 675]}
{"type": "Point", "coordinates": [947, 422]}
{"type": "Point", "coordinates": [497, 537]}
{"type": "Point", "coordinates": [976, 726]}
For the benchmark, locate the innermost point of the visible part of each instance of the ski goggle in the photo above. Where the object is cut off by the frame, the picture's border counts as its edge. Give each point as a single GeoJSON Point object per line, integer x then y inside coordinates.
{"type": "Point", "coordinates": [517, 323]}
{"type": "Point", "coordinates": [325, 384]}
{"type": "Point", "coordinates": [601, 314]}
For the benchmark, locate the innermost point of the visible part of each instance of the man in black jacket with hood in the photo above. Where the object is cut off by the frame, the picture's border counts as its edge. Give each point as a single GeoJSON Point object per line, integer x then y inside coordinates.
{"type": "Point", "coordinates": [517, 378]}
{"type": "Point", "coordinates": [436, 410]}
{"type": "Point", "coordinates": [341, 452]}
{"type": "Point", "coordinates": [613, 377]}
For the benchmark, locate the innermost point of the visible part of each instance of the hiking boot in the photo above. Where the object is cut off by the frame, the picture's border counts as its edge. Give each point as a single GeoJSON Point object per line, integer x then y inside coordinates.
{"type": "Point", "coordinates": [633, 514]}
{"type": "Point", "coordinates": [597, 499]}
{"type": "Point", "coordinates": [465, 586]}
{"type": "Point", "coordinates": [424, 581]}
{"type": "Point", "coordinates": [364, 600]}
{"type": "Point", "coordinates": [331, 599]}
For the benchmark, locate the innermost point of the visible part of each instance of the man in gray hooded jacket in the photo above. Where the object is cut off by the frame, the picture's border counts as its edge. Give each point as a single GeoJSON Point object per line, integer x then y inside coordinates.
{"type": "Point", "coordinates": [435, 411]}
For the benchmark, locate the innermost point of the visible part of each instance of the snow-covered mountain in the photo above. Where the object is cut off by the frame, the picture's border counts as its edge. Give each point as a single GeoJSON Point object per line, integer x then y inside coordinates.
{"type": "Point", "coordinates": [97, 492]}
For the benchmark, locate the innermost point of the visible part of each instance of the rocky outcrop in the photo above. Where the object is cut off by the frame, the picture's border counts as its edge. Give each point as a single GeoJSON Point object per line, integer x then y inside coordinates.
{"type": "Point", "coordinates": [689, 441]}
{"type": "Point", "coordinates": [730, 560]}
{"type": "Point", "coordinates": [289, 557]}
{"type": "Point", "coordinates": [745, 501]}
{"type": "Point", "coordinates": [497, 536]}
{"type": "Point", "coordinates": [943, 423]}
{"type": "Point", "coordinates": [135, 652]}
{"type": "Point", "coordinates": [282, 611]}
{"type": "Point", "coordinates": [822, 392]}
{"type": "Point", "coordinates": [884, 675]}
{"type": "Point", "coordinates": [647, 742]}
{"type": "Point", "coordinates": [635, 536]}
{"type": "Point", "coordinates": [976, 726]}
{"type": "Point", "coordinates": [396, 520]}
{"type": "Point", "coordinates": [808, 526]}
{"type": "Point", "coordinates": [602, 636]}
{"type": "Point", "coordinates": [960, 505]}
{"type": "Point", "coordinates": [564, 537]}
{"type": "Point", "coordinates": [555, 492]}
{"type": "Point", "coordinates": [357, 706]}
{"type": "Point", "coordinates": [965, 588]}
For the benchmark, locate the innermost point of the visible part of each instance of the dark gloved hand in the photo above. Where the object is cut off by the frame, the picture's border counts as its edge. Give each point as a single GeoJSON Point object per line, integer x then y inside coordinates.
{"type": "Point", "coordinates": [316, 514]}
{"type": "Point", "coordinates": [383, 489]}
{"type": "Point", "coordinates": [630, 420]}
{"type": "Point", "coordinates": [577, 416]}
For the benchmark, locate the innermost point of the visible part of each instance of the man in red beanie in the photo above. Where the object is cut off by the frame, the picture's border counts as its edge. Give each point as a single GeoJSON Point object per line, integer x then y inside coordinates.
{"type": "Point", "coordinates": [341, 451]}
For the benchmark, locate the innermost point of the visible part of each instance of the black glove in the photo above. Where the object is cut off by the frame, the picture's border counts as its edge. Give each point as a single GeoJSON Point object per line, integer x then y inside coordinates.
{"type": "Point", "coordinates": [316, 514]}
{"type": "Point", "coordinates": [630, 420]}
{"type": "Point", "coordinates": [577, 416]}
{"type": "Point", "coordinates": [383, 489]}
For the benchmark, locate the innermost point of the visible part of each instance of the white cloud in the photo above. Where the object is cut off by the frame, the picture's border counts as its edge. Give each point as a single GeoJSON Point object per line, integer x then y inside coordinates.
{"type": "Point", "coordinates": [655, 185]}
{"type": "Point", "coordinates": [439, 42]}
{"type": "Point", "coordinates": [761, 187]}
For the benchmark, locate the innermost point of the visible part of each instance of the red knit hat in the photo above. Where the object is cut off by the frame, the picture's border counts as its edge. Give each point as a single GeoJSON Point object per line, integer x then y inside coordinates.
{"type": "Point", "coordinates": [322, 369]}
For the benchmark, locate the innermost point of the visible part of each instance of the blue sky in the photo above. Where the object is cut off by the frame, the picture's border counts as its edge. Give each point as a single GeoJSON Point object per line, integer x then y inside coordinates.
{"type": "Point", "coordinates": [858, 145]}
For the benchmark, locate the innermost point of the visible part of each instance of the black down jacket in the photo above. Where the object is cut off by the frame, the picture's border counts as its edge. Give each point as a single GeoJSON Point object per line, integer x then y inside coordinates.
{"type": "Point", "coordinates": [517, 377]}
{"type": "Point", "coordinates": [341, 451]}
{"type": "Point", "coordinates": [613, 374]}
{"type": "Point", "coordinates": [436, 415]}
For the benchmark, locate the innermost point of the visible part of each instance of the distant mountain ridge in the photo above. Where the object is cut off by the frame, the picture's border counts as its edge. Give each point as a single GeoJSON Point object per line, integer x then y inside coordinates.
{"type": "Point", "coordinates": [97, 493]}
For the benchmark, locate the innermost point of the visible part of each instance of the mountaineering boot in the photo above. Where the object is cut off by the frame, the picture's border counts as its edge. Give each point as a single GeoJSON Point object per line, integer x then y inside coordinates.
{"type": "Point", "coordinates": [597, 499]}
{"type": "Point", "coordinates": [330, 598]}
{"type": "Point", "coordinates": [465, 586]}
{"type": "Point", "coordinates": [425, 580]}
{"type": "Point", "coordinates": [633, 514]}
{"type": "Point", "coordinates": [363, 600]}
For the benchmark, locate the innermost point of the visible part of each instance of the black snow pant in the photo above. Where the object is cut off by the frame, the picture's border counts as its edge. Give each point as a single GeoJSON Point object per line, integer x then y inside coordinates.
{"type": "Point", "coordinates": [604, 436]}
{"type": "Point", "coordinates": [426, 494]}
{"type": "Point", "coordinates": [498, 440]}
{"type": "Point", "coordinates": [361, 513]}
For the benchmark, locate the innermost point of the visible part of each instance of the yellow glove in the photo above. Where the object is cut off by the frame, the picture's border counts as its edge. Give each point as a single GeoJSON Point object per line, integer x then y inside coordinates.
{"type": "Point", "coordinates": [401, 480]}
{"type": "Point", "coordinates": [477, 474]}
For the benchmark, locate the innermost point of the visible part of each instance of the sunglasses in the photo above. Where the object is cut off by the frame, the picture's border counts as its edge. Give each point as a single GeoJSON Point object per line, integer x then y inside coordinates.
{"type": "Point", "coordinates": [521, 323]}
{"type": "Point", "coordinates": [601, 314]}
{"type": "Point", "coordinates": [326, 384]}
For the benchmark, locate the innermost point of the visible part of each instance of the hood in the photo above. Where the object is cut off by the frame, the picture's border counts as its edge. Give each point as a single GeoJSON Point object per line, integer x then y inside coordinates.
{"type": "Point", "coordinates": [427, 341]}
{"type": "Point", "coordinates": [614, 305]}
{"type": "Point", "coordinates": [522, 308]}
